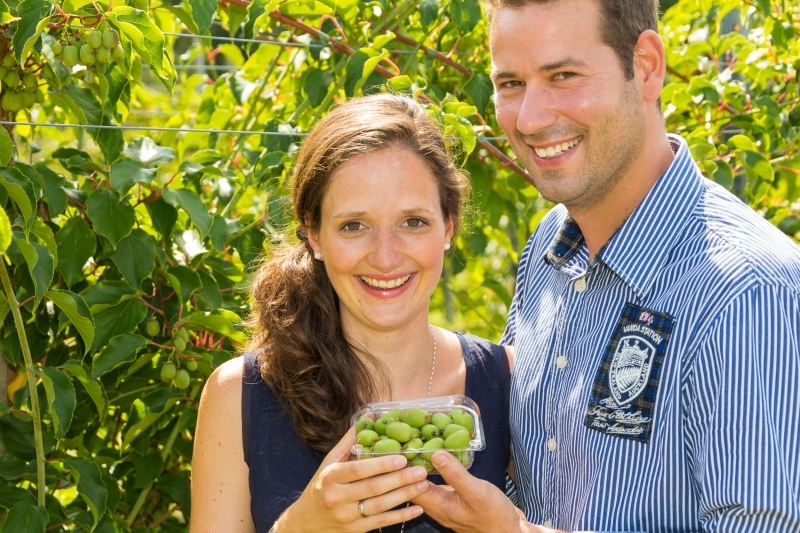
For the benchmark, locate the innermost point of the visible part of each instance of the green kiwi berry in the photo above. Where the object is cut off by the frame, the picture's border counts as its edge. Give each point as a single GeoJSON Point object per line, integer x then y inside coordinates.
{"type": "Point", "coordinates": [28, 99]}
{"type": "Point", "coordinates": [102, 54]}
{"type": "Point", "coordinates": [382, 422]}
{"type": "Point", "coordinates": [431, 446]}
{"type": "Point", "coordinates": [94, 39]}
{"type": "Point", "coordinates": [440, 420]}
{"type": "Point", "coordinates": [457, 441]}
{"type": "Point", "coordinates": [387, 446]}
{"type": "Point", "coordinates": [110, 39]}
{"type": "Point", "coordinates": [11, 79]}
{"type": "Point", "coordinates": [39, 96]}
{"type": "Point", "coordinates": [153, 327]}
{"type": "Point", "coordinates": [168, 371]}
{"type": "Point", "coordinates": [87, 54]}
{"type": "Point", "coordinates": [462, 418]}
{"type": "Point", "coordinates": [414, 417]}
{"type": "Point", "coordinates": [3, 71]}
{"type": "Point", "coordinates": [30, 81]}
{"type": "Point", "coordinates": [9, 60]}
{"type": "Point", "coordinates": [394, 413]}
{"type": "Point", "coordinates": [365, 423]}
{"type": "Point", "coordinates": [118, 53]}
{"type": "Point", "coordinates": [191, 365]}
{"type": "Point", "coordinates": [57, 48]}
{"type": "Point", "coordinates": [183, 333]}
{"type": "Point", "coordinates": [70, 55]}
{"type": "Point", "coordinates": [412, 448]}
{"type": "Point", "coordinates": [367, 438]}
{"type": "Point", "coordinates": [179, 344]}
{"type": "Point", "coordinates": [401, 432]}
{"type": "Point", "coordinates": [452, 428]}
{"type": "Point", "coordinates": [429, 431]}
{"type": "Point", "coordinates": [181, 379]}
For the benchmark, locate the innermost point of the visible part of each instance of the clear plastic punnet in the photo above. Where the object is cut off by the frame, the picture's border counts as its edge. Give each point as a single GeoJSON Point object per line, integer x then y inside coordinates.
{"type": "Point", "coordinates": [418, 428]}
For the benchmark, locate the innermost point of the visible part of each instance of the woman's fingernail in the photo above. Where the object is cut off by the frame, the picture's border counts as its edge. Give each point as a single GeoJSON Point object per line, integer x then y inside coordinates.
{"type": "Point", "coordinates": [439, 459]}
{"type": "Point", "coordinates": [420, 473]}
{"type": "Point", "coordinates": [416, 511]}
{"type": "Point", "coordinates": [400, 461]}
{"type": "Point", "coordinates": [423, 485]}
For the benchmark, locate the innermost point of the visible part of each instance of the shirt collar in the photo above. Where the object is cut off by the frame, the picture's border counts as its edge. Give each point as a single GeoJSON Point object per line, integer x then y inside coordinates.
{"type": "Point", "coordinates": [640, 246]}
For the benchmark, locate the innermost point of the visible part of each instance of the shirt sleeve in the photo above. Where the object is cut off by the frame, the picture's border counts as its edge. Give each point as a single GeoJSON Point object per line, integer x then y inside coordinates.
{"type": "Point", "coordinates": [742, 415]}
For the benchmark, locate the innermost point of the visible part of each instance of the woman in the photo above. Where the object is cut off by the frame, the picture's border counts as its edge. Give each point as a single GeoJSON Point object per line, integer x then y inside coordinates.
{"type": "Point", "coordinates": [341, 319]}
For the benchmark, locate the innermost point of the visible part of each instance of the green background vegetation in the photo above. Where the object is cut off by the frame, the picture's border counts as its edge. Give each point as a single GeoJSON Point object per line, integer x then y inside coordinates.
{"type": "Point", "coordinates": [104, 230]}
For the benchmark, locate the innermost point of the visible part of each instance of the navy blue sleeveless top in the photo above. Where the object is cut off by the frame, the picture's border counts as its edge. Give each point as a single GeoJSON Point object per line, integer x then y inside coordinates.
{"type": "Point", "coordinates": [281, 465]}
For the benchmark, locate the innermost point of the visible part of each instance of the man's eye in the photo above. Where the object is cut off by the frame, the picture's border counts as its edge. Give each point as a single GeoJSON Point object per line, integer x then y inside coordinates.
{"type": "Point", "coordinates": [564, 75]}
{"type": "Point", "coordinates": [510, 84]}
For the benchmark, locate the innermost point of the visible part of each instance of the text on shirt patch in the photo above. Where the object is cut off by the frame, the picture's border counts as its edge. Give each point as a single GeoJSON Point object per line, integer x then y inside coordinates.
{"type": "Point", "coordinates": [624, 390]}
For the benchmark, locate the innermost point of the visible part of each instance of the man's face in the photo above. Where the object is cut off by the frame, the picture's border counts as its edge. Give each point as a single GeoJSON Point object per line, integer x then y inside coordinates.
{"type": "Point", "coordinates": [561, 96]}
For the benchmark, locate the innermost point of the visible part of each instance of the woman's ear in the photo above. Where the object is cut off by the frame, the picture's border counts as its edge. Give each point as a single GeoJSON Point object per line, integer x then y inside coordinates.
{"type": "Point", "coordinates": [450, 227]}
{"type": "Point", "coordinates": [313, 236]}
{"type": "Point", "coordinates": [650, 60]}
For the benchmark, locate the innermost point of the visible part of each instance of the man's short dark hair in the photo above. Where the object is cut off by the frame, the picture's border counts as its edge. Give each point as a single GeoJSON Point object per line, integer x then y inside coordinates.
{"type": "Point", "coordinates": [621, 23]}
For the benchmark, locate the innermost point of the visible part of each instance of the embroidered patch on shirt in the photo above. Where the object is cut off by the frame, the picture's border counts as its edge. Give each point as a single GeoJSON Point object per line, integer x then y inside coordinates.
{"type": "Point", "coordinates": [624, 390]}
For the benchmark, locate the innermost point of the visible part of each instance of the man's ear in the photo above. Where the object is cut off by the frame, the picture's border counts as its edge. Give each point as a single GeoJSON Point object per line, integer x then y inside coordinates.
{"type": "Point", "coordinates": [650, 61]}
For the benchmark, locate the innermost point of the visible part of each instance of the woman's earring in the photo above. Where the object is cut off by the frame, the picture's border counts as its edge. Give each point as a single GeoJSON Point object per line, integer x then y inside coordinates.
{"type": "Point", "coordinates": [318, 256]}
{"type": "Point", "coordinates": [447, 246]}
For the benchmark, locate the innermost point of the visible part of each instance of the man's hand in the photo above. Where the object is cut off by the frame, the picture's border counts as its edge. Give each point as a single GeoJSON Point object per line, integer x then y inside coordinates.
{"type": "Point", "coordinates": [471, 505]}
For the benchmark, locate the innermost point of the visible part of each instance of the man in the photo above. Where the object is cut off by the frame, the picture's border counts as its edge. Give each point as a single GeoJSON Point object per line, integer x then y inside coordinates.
{"type": "Point", "coordinates": [656, 320]}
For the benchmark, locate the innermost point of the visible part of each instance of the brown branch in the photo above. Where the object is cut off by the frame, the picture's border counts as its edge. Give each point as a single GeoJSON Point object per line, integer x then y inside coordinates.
{"type": "Point", "coordinates": [437, 54]}
{"type": "Point", "coordinates": [507, 161]}
{"type": "Point", "coordinates": [157, 522]}
{"type": "Point", "coordinates": [677, 74]}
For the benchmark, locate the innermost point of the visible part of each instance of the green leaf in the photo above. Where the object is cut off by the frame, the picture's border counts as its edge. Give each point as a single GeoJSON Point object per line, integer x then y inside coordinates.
{"type": "Point", "coordinates": [25, 518]}
{"type": "Point", "coordinates": [110, 141]}
{"type": "Point", "coordinates": [466, 14]}
{"type": "Point", "coordinates": [5, 231]}
{"type": "Point", "coordinates": [428, 12]}
{"type": "Point", "coordinates": [220, 321]}
{"type": "Point", "coordinates": [6, 147]}
{"type": "Point", "coordinates": [463, 128]}
{"type": "Point", "coordinates": [76, 244]}
{"type": "Point", "coordinates": [203, 13]}
{"type": "Point", "coordinates": [11, 496]}
{"type": "Point", "coordinates": [118, 319]}
{"type": "Point", "coordinates": [163, 216]}
{"type": "Point", "coordinates": [147, 39]}
{"type": "Point", "coordinates": [40, 264]}
{"type": "Point", "coordinates": [77, 311]}
{"type": "Point", "coordinates": [111, 218]}
{"type": "Point", "coordinates": [92, 385]}
{"type": "Point", "coordinates": [177, 488]}
{"type": "Point", "coordinates": [192, 204]}
{"type": "Point", "coordinates": [148, 153]}
{"type": "Point", "coordinates": [107, 293]}
{"type": "Point", "coordinates": [83, 103]}
{"type": "Point", "coordinates": [21, 190]}
{"type": "Point", "coordinates": [5, 307]}
{"type": "Point", "coordinates": [135, 257]}
{"type": "Point", "coordinates": [117, 82]}
{"type": "Point", "coordinates": [479, 88]}
{"type": "Point", "coordinates": [32, 21]}
{"type": "Point", "coordinates": [60, 397]}
{"type": "Point", "coordinates": [87, 476]}
{"type": "Point", "coordinates": [359, 66]}
{"type": "Point", "coordinates": [121, 349]}
{"type": "Point", "coordinates": [125, 173]}
{"type": "Point", "coordinates": [187, 279]}
{"type": "Point", "coordinates": [316, 83]}
{"type": "Point", "coordinates": [148, 469]}
{"type": "Point", "coordinates": [4, 409]}
{"type": "Point", "coordinates": [145, 411]}
{"type": "Point", "coordinates": [52, 190]}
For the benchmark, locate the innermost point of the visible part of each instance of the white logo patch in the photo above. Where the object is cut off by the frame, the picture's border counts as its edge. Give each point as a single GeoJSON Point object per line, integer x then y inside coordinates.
{"type": "Point", "coordinates": [630, 368]}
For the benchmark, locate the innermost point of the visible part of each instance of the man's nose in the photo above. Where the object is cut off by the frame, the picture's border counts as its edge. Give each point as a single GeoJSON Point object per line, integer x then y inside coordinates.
{"type": "Point", "coordinates": [386, 252]}
{"type": "Point", "coordinates": [537, 111]}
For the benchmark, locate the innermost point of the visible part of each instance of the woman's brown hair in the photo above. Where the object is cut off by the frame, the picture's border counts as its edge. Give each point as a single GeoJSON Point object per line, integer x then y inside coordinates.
{"type": "Point", "coordinates": [305, 355]}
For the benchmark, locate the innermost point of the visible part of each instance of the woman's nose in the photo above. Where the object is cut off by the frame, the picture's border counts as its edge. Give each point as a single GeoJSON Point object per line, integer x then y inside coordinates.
{"type": "Point", "coordinates": [386, 252]}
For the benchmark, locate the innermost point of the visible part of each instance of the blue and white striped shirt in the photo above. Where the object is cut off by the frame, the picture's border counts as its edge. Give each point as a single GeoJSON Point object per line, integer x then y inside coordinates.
{"type": "Point", "coordinates": [723, 446]}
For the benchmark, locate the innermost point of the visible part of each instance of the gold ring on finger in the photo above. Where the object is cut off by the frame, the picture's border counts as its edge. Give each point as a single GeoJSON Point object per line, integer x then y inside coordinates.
{"type": "Point", "coordinates": [361, 508]}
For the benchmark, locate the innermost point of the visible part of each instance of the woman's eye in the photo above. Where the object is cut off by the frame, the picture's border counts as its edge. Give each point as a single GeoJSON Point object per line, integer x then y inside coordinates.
{"type": "Point", "coordinates": [352, 226]}
{"type": "Point", "coordinates": [415, 222]}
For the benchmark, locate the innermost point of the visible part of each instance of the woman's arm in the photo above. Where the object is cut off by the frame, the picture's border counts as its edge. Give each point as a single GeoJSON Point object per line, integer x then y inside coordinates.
{"type": "Point", "coordinates": [220, 486]}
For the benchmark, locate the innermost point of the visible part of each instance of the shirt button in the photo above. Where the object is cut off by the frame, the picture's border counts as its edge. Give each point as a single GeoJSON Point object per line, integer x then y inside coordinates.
{"type": "Point", "coordinates": [580, 285]}
{"type": "Point", "coordinates": [561, 361]}
{"type": "Point", "coordinates": [552, 445]}
{"type": "Point", "coordinates": [548, 524]}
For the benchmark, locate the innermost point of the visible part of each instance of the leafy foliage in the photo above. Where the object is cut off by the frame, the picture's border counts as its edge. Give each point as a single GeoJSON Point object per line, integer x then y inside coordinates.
{"type": "Point", "coordinates": [128, 252]}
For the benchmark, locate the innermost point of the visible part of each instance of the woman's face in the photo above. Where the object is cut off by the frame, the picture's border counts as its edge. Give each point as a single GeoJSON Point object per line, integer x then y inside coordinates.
{"type": "Point", "coordinates": [382, 237]}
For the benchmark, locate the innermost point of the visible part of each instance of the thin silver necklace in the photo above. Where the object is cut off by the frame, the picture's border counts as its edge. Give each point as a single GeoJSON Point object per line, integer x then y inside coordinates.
{"type": "Point", "coordinates": [430, 382]}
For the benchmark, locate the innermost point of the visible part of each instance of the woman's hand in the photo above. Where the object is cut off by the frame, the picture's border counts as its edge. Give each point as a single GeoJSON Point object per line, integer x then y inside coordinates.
{"type": "Point", "coordinates": [330, 502]}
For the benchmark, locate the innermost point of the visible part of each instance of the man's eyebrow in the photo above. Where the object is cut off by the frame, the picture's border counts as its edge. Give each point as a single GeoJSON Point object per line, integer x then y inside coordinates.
{"type": "Point", "coordinates": [549, 67]}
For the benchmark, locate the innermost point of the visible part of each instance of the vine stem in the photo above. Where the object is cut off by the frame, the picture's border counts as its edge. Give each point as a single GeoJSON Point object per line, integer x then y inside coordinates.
{"type": "Point", "coordinates": [164, 454]}
{"type": "Point", "coordinates": [26, 352]}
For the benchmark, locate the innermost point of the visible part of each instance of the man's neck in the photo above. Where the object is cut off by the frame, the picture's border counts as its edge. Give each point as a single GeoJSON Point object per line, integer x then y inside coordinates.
{"type": "Point", "coordinates": [600, 221]}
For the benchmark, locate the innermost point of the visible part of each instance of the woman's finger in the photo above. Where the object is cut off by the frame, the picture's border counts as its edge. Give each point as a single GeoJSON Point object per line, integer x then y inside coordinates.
{"type": "Point", "coordinates": [365, 468]}
{"type": "Point", "coordinates": [384, 483]}
{"type": "Point", "coordinates": [380, 504]}
{"type": "Point", "coordinates": [389, 518]}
